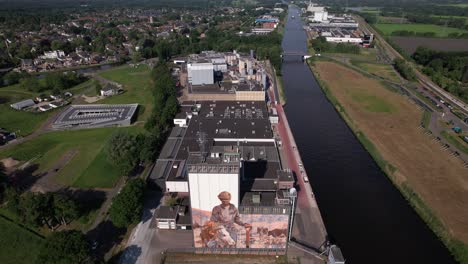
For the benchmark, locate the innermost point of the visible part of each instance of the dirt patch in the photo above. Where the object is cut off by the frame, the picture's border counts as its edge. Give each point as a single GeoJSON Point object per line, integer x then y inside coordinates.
{"type": "Point", "coordinates": [410, 44]}
{"type": "Point", "coordinates": [9, 164]}
{"type": "Point", "coordinates": [91, 99]}
{"type": "Point", "coordinates": [47, 183]}
{"type": "Point", "coordinates": [438, 178]}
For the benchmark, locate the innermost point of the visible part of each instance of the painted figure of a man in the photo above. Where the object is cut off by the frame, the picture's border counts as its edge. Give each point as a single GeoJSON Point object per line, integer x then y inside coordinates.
{"type": "Point", "coordinates": [227, 214]}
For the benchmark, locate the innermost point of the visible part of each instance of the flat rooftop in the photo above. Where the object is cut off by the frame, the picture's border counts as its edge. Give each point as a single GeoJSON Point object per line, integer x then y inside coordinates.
{"type": "Point", "coordinates": [97, 115]}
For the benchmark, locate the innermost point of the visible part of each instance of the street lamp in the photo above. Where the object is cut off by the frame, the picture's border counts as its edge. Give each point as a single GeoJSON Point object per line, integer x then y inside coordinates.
{"type": "Point", "coordinates": [292, 196]}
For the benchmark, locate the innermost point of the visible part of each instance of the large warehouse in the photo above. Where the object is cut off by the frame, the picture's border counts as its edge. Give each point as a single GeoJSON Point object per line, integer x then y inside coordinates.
{"type": "Point", "coordinates": [222, 156]}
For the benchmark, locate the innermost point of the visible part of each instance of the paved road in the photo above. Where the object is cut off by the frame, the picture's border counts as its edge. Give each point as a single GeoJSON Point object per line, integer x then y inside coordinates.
{"type": "Point", "coordinates": [146, 243]}
{"type": "Point", "coordinates": [308, 226]}
{"type": "Point", "coordinates": [423, 79]}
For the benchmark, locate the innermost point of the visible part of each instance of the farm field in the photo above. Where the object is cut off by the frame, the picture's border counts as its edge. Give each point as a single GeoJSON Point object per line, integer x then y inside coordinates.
{"type": "Point", "coordinates": [17, 245]}
{"type": "Point", "coordinates": [410, 44]}
{"type": "Point", "coordinates": [390, 123]}
{"type": "Point", "coordinates": [440, 31]}
{"type": "Point", "coordinates": [137, 85]}
{"type": "Point", "coordinates": [457, 17]}
{"type": "Point", "coordinates": [69, 158]}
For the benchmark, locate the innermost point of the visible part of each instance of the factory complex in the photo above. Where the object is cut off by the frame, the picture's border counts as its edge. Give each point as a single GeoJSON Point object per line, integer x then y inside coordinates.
{"type": "Point", "coordinates": [335, 28]}
{"type": "Point", "coordinates": [222, 162]}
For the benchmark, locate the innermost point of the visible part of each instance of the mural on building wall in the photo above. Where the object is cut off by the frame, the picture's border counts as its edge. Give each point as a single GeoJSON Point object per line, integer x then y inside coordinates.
{"type": "Point", "coordinates": [224, 227]}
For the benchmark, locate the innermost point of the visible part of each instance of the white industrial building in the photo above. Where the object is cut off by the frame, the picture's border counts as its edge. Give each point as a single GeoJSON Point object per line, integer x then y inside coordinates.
{"type": "Point", "coordinates": [320, 16]}
{"type": "Point", "coordinates": [314, 8]}
{"type": "Point", "coordinates": [342, 36]}
{"type": "Point", "coordinates": [200, 73]}
{"type": "Point", "coordinates": [55, 54]}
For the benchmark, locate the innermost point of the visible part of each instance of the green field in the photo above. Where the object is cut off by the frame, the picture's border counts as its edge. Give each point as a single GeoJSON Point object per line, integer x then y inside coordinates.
{"type": "Point", "coordinates": [137, 85]}
{"type": "Point", "coordinates": [463, 5]}
{"type": "Point", "coordinates": [454, 139]}
{"type": "Point", "coordinates": [440, 31]}
{"type": "Point", "coordinates": [24, 123]}
{"type": "Point", "coordinates": [372, 103]}
{"type": "Point", "coordinates": [383, 70]}
{"type": "Point", "coordinates": [85, 166]}
{"type": "Point", "coordinates": [17, 245]}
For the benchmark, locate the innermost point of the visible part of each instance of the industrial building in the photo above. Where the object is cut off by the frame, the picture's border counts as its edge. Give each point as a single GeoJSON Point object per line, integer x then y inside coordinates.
{"type": "Point", "coordinates": [338, 35]}
{"type": "Point", "coordinates": [92, 116]}
{"type": "Point", "coordinates": [200, 73]}
{"type": "Point", "coordinates": [222, 150]}
{"type": "Point", "coordinates": [227, 76]}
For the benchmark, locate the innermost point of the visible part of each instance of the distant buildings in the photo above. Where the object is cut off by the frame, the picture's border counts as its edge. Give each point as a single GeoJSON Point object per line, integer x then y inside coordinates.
{"type": "Point", "coordinates": [265, 24]}
{"type": "Point", "coordinates": [53, 55]}
{"type": "Point", "coordinates": [336, 29]}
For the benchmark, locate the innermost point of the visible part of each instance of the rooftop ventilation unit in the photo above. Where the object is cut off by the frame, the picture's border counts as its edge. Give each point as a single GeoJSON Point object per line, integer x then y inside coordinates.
{"type": "Point", "coordinates": [256, 198]}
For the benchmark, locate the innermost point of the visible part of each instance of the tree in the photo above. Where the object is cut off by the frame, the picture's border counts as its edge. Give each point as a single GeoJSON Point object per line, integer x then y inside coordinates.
{"type": "Point", "coordinates": [30, 84]}
{"type": "Point", "coordinates": [127, 206]}
{"type": "Point", "coordinates": [136, 57]}
{"type": "Point", "coordinates": [98, 87]}
{"type": "Point", "coordinates": [65, 209]}
{"type": "Point", "coordinates": [122, 151]}
{"type": "Point", "coordinates": [12, 77]}
{"type": "Point", "coordinates": [65, 247]}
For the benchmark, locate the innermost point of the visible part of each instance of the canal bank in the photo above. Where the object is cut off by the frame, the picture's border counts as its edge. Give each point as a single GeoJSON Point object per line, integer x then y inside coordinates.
{"type": "Point", "coordinates": [363, 212]}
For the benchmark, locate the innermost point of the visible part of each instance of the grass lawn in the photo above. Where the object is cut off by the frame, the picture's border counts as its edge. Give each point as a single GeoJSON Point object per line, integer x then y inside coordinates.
{"type": "Point", "coordinates": [370, 11]}
{"type": "Point", "coordinates": [85, 166]}
{"type": "Point", "coordinates": [382, 70]}
{"type": "Point", "coordinates": [371, 102]}
{"type": "Point", "coordinates": [365, 55]}
{"type": "Point", "coordinates": [426, 119]}
{"type": "Point", "coordinates": [17, 245]}
{"type": "Point", "coordinates": [455, 140]}
{"type": "Point", "coordinates": [439, 31]}
{"type": "Point", "coordinates": [137, 85]}
{"type": "Point", "coordinates": [24, 123]}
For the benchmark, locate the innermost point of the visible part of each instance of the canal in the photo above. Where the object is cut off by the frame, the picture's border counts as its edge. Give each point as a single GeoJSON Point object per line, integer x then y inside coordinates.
{"type": "Point", "coordinates": [363, 212]}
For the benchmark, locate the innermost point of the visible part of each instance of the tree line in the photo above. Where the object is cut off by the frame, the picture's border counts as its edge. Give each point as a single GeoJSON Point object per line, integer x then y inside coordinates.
{"type": "Point", "coordinates": [448, 69]}
{"type": "Point", "coordinates": [57, 82]}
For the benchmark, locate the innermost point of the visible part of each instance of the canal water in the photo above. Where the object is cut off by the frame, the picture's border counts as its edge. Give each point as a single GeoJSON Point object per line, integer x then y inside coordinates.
{"type": "Point", "coordinates": [363, 212]}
